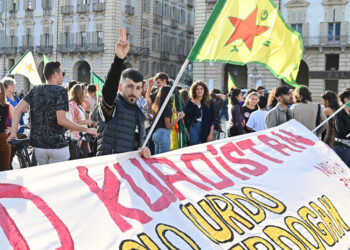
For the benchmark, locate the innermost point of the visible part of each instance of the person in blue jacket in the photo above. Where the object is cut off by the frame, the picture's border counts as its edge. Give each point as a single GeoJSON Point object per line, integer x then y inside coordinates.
{"type": "Point", "coordinates": [10, 85]}
{"type": "Point", "coordinates": [199, 114]}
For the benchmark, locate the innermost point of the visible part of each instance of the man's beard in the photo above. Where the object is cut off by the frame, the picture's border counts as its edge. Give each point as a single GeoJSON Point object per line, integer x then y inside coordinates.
{"type": "Point", "coordinates": [129, 101]}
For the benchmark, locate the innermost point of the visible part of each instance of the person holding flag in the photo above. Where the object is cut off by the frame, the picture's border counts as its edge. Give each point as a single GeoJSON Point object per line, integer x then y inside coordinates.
{"type": "Point", "coordinates": [161, 135]}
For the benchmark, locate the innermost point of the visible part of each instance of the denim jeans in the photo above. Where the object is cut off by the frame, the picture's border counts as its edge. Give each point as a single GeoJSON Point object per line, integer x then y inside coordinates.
{"type": "Point", "coordinates": [161, 139]}
{"type": "Point", "coordinates": [343, 152]}
{"type": "Point", "coordinates": [195, 133]}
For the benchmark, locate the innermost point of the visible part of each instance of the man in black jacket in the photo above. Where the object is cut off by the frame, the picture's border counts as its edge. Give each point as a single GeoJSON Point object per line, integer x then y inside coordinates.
{"type": "Point", "coordinates": [121, 122]}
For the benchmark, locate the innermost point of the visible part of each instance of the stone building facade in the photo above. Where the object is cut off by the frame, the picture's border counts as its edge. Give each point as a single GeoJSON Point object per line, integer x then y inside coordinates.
{"type": "Point", "coordinates": [324, 26]}
{"type": "Point", "coordinates": [81, 34]}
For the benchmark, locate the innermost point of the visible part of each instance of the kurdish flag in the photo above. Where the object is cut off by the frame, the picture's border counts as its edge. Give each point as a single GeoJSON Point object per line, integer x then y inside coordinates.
{"type": "Point", "coordinates": [231, 84]}
{"type": "Point", "coordinates": [96, 80]}
{"type": "Point", "coordinates": [26, 67]}
{"type": "Point", "coordinates": [250, 31]}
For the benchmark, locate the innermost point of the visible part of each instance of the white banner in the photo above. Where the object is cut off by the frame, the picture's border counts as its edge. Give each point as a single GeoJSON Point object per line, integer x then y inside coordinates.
{"type": "Point", "coordinates": [276, 188]}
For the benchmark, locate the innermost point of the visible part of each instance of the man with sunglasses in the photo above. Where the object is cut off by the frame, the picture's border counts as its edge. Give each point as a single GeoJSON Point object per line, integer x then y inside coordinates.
{"type": "Point", "coordinates": [48, 123]}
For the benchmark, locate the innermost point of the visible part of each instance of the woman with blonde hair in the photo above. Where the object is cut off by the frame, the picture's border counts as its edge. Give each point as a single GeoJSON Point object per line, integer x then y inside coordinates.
{"type": "Point", "coordinates": [199, 114]}
{"type": "Point", "coordinates": [77, 96]}
{"type": "Point", "coordinates": [250, 105]}
{"type": "Point", "coordinates": [6, 112]}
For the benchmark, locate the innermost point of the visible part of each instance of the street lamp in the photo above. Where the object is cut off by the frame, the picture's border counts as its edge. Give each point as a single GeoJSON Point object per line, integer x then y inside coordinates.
{"type": "Point", "coordinates": [255, 77]}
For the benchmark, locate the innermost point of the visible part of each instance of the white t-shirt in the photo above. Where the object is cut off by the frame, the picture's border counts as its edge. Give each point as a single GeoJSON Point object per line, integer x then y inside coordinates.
{"type": "Point", "coordinates": [256, 120]}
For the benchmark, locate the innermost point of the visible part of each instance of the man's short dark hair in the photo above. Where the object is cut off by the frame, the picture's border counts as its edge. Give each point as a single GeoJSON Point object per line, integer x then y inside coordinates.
{"type": "Point", "coordinates": [132, 74]}
{"type": "Point", "coordinates": [260, 88]}
{"type": "Point", "coordinates": [282, 90]}
{"type": "Point", "coordinates": [162, 76]}
{"type": "Point", "coordinates": [262, 102]}
{"type": "Point", "coordinates": [51, 68]}
{"type": "Point", "coordinates": [344, 94]}
{"type": "Point", "coordinates": [71, 84]}
{"type": "Point", "coordinates": [302, 94]}
{"type": "Point", "coordinates": [251, 91]}
{"type": "Point", "coordinates": [91, 88]}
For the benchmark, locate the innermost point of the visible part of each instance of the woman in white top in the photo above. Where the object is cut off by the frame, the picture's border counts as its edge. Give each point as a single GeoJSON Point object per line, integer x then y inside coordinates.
{"type": "Point", "coordinates": [77, 95]}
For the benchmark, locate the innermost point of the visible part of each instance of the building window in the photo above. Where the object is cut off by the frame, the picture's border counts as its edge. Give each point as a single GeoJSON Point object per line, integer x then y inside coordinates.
{"type": "Point", "coordinates": [155, 42]}
{"type": "Point", "coordinates": [47, 4]}
{"type": "Point", "coordinates": [332, 62]}
{"type": "Point", "coordinates": [66, 39]}
{"type": "Point", "coordinates": [331, 85]}
{"type": "Point", "coordinates": [28, 40]}
{"type": "Point", "coordinates": [145, 6]}
{"type": "Point", "coordinates": [84, 2]}
{"type": "Point", "coordinates": [83, 39]}
{"type": "Point", "coordinates": [47, 39]}
{"type": "Point", "coordinates": [145, 38]}
{"type": "Point", "coordinates": [298, 27]}
{"type": "Point", "coordinates": [99, 38]}
{"type": "Point", "coordinates": [334, 31]}
{"type": "Point", "coordinates": [13, 41]}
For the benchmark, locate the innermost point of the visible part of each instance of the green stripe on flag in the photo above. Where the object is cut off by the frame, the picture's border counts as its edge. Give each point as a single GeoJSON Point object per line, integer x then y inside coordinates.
{"type": "Point", "coordinates": [98, 82]}
{"type": "Point", "coordinates": [348, 104]}
{"type": "Point", "coordinates": [46, 59]}
{"type": "Point", "coordinates": [14, 66]}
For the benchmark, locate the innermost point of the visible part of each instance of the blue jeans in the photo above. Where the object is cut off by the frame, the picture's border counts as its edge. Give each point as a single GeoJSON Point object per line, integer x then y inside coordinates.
{"type": "Point", "coordinates": [161, 139]}
{"type": "Point", "coordinates": [343, 152]}
{"type": "Point", "coordinates": [195, 133]}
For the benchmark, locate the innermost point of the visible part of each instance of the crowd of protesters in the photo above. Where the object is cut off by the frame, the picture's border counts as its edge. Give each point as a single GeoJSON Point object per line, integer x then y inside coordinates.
{"type": "Point", "coordinates": [120, 118]}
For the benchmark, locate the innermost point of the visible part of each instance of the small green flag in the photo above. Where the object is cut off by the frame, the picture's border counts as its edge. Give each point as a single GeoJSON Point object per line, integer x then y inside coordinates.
{"type": "Point", "coordinates": [96, 80]}
{"type": "Point", "coordinates": [46, 59]}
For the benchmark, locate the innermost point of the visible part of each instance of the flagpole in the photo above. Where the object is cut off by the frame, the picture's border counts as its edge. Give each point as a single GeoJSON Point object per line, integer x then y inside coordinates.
{"type": "Point", "coordinates": [330, 117]}
{"type": "Point", "coordinates": [182, 70]}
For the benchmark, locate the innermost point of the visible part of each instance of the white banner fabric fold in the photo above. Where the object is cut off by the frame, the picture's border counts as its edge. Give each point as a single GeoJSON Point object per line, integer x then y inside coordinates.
{"type": "Point", "coordinates": [278, 188]}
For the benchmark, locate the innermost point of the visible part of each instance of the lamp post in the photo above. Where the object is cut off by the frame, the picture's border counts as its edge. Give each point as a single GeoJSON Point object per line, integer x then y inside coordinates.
{"type": "Point", "coordinates": [4, 42]}
{"type": "Point", "coordinates": [255, 77]}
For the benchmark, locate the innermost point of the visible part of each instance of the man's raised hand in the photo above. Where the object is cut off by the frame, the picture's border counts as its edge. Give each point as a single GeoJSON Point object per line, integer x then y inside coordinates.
{"type": "Point", "coordinates": [122, 47]}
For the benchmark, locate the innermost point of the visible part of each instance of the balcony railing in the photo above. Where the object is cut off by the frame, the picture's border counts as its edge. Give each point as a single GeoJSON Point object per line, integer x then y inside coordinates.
{"type": "Point", "coordinates": [190, 3]}
{"type": "Point", "coordinates": [44, 49]}
{"type": "Point", "coordinates": [173, 24]}
{"type": "Point", "coordinates": [97, 47]}
{"type": "Point", "coordinates": [29, 13]}
{"type": "Point", "coordinates": [165, 55]}
{"type": "Point", "coordinates": [157, 18]}
{"type": "Point", "coordinates": [80, 48]}
{"type": "Point", "coordinates": [23, 49]}
{"type": "Point", "coordinates": [138, 51]}
{"type": "Point", "coordinates": [65, 48]}
{"type": "Point", "coordinates": [332, 41]}
{"type": "Point", "coordinates": [190, 29]}
{"type": "Point", "coordinates": [181, 58]}
{"type": "Point", "coordinates": [130, 10]}
{"type": "Point", "coordinates": [13, 15]}
{"type": "Point", "coordinates": [83, 8]}
{"type": "Point", "coordinates": [67, 9]}
{"type": "Point", "coordinates": [47, 11]}
{"type": "Point", "coordinates": [10, 50]}
{"type": "Point", "coordinates": [98, 7]}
